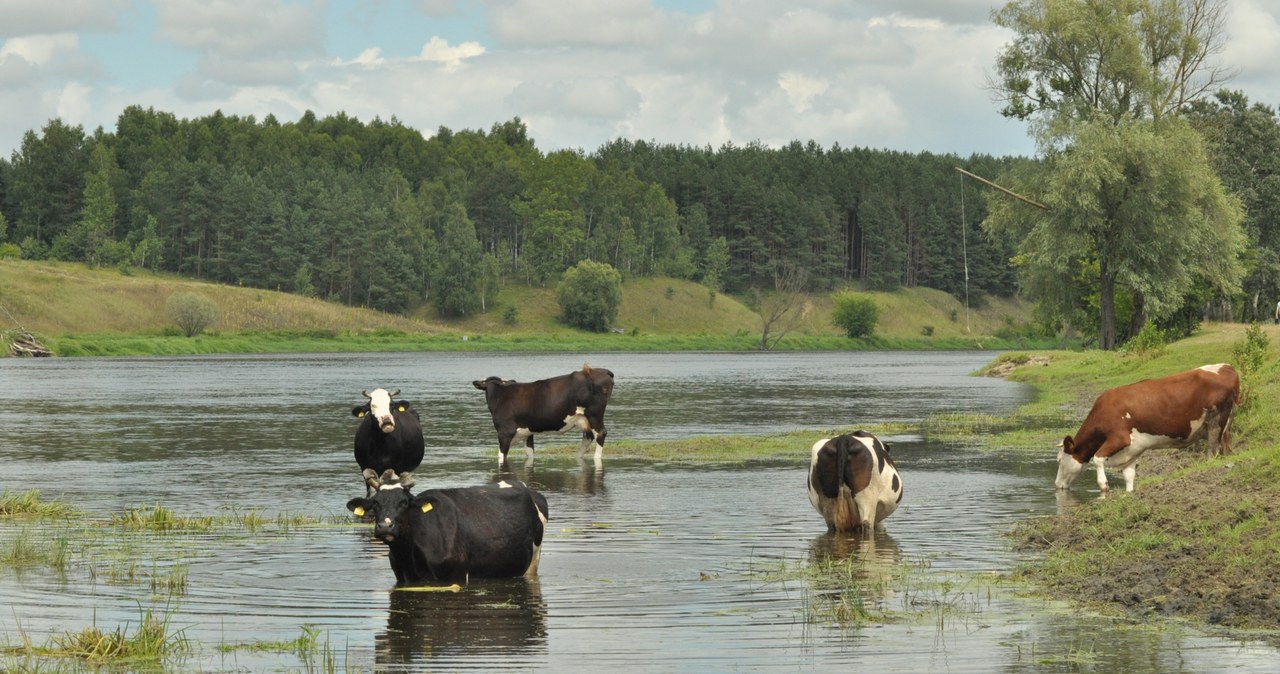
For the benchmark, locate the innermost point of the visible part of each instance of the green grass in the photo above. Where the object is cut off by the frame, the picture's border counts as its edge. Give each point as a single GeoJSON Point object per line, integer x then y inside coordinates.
{"type": "Point", "coordinates": [1200, 536]}
{"type": "Point", "coordinates": [150, 643]}
{"type": "Point", "coordinates": [28, 503]}
{"type": "Point", "coordinates": [79, 311]}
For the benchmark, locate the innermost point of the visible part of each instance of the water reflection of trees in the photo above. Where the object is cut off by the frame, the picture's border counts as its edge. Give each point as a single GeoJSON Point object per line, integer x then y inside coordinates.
{"type": "Point", "coordinates": [491, 619]}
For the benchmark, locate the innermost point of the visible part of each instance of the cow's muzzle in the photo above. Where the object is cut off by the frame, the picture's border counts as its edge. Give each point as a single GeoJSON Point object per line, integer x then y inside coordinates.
{"type": "Point", "coordinates": [387, 425]}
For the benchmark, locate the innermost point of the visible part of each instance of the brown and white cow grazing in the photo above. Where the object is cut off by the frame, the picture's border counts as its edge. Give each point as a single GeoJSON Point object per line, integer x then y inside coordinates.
{"type": "Point", "coordinates": [853, 482]}
{"type": "Point", "coordinates": [1173, 411]}
{"type": "Point", "coordinates": [574, 400]}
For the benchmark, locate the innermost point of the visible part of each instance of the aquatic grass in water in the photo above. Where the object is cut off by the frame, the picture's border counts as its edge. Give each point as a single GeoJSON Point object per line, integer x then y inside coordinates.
{"type": "Point", "coordinates": [152, 641]}
{"type": "Point", "coordinates": [24, 551]}
{"type": "Point", "coordinates": [29, 503]}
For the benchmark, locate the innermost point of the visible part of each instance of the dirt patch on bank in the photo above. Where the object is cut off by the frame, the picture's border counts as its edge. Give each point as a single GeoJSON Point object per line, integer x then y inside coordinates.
{"type": "Point", "coordinates": [1194, 544]}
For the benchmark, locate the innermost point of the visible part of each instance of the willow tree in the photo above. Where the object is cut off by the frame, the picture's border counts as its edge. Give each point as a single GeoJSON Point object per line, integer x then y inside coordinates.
{"type": "Point", "coordinates": [1131, 208]}
{"type": "Point", "coordinates": [1133, 202]}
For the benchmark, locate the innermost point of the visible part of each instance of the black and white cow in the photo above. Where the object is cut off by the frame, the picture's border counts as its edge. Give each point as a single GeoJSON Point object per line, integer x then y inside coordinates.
{"type": "Point", "coordinates": [853, 482]}
{"type": "Point", "coordinates": [389, 436]}
{"type": "Point", "coordinates": [453, 535]}
{"type": "Point", "coordinates": [574, 400]}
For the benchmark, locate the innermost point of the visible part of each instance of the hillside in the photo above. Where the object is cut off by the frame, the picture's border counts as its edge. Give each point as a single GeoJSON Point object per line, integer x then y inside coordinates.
{"type": "Point", "coordinates": [53, 299]}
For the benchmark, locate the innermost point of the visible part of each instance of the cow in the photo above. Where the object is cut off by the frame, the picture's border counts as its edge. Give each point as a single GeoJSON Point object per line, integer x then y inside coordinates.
{"type": "Point", "coordinates": [1172, 411]}
{"type": "Point", "coordinates": [853, 482]}
{"type": "Point", "coordinates": [574, 400]}
{"type": "Point", "coordinates": [389, 436]}
{"type": "Point", "coordinates": [452, 535]}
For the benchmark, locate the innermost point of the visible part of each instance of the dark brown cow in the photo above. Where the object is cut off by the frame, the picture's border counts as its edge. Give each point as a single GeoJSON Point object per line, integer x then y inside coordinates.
{"type": "Point", "coordinates": [1173, 411]}
{"type": "Point", "coordinates": [575, 400]}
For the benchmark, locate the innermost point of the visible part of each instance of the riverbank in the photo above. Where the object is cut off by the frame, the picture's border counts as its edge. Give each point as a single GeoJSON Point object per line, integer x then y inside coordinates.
{"type": "Point", "coordinates": [79, 311]}
{"type": "Point", "coordinates": [1200, 537]}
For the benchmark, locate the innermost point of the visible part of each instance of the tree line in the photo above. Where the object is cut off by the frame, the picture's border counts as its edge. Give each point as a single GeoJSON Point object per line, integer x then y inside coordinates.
{"type": "Point", "coordinates": [378, 214]}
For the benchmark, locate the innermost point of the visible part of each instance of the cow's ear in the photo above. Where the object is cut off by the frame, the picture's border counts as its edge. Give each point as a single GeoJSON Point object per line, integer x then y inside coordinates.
{"type": "Point", "coordinates": [359, 506]}
{"type": "Point", "coordinates": [403, 405]}
{"type": "Point", "coordinates": [478, 383]}
{"type": "Point", "coordinates": [423, 502]}
{"type": "Point", "coordinates": [359, 410]}
{"type": "Point", "coordinates": [1068, 444]}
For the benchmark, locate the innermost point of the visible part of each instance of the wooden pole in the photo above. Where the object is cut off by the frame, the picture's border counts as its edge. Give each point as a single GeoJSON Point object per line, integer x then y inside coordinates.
{"type": "Point", "coordinates": [1009, 192]}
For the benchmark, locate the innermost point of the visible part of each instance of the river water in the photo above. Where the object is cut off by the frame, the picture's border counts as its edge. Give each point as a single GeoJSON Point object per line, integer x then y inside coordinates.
{"type": "Point", "coordinates": [647, 566]}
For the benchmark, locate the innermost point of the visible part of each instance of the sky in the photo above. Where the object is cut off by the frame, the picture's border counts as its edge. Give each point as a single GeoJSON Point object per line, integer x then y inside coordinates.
{"type": "Point", "coordinates": [905, 75]}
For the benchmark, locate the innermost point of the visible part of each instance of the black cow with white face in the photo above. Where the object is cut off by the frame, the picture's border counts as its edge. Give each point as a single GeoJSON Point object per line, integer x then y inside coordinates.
{"type": "Point", "coordinates": [389, 436]}
{"type": "Point", "coordinates": [453, 535]}
{"type": "Point", "coordinates": [574, 400]}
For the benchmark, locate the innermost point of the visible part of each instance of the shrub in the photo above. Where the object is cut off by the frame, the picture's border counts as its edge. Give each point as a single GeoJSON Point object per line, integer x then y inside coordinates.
{"type": "Point", "coordinates": [1249, 354]}
{"type": "Point", "coordinates": [1148, 343]}
{"type": "Point", "coordinates": [193, 313]}
{"type": "Point", "coordinates": [589, 295]}
{"type": "Point", "coordinates": [510, 315]}
{"type": "Point", "coordinates": [855, 314]}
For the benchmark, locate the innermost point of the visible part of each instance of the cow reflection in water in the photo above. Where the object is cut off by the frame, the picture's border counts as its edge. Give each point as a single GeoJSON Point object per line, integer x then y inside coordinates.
{"type": "Point", "coordinates": [873, 561]}
{"type": "Point", "coordinates": [587, 479]}
{"type": "Point", "coordinates": [495, 618]}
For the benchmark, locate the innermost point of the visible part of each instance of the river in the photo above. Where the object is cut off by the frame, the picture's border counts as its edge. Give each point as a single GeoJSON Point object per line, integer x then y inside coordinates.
{"type": "Point", "coordinates": [646, 566]}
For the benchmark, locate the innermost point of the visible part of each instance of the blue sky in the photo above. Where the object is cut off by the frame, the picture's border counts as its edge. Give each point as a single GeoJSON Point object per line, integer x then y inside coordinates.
{"type": "Point", "coordinates": [906, 75]}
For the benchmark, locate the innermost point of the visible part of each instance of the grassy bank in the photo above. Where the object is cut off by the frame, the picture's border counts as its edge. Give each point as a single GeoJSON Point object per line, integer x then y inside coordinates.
{"type": "Point", "coordinates": [1199, 538]}
{"type": "Point", "coordinates": [76, 311]}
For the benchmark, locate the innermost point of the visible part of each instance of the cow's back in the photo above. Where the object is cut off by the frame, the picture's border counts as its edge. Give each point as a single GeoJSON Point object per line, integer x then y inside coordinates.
{"type": "Point", "coordinates": [482, 532]}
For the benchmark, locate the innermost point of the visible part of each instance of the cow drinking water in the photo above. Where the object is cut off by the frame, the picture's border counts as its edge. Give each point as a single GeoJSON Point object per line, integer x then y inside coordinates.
{"type": "Point", "coordinates": [575, 400]}
{"type": "Point", "coordinates": [453, 535]}
{"type": "Point", "coordinates": [389, 436]}
{"type": "Point", "coordinates": [852, 482]}
{"type": "Point", "coordinates": [1172, 411]}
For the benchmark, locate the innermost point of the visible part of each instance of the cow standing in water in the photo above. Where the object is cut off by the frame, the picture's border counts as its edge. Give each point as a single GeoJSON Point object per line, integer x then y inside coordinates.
{"type": "Point", "coordinates": [1173, 411]}
{"type": "Point", "coordinates": [389, 436]}
{"type": "Point", "coordinates": [853, 482]}
{"type": "Point", "coordinates": [453, 535]}
{"type": "Point", "coordinates": [575, 400]}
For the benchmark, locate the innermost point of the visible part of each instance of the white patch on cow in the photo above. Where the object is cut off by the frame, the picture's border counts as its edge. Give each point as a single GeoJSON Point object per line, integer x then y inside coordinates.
{"type": "Point", "coordinates": [1128, 416]}
{"type": "Point", "coordinates": [388, 487]}
{"type": "Point", "coordinates": [578, 418]}
{"type": "Point", "coordinates": [380, 408]}
{"type": "Point", "coordinates": [1068, 469]}
{"type": "Point", "coordinates": [504, 484]}
{"type": "Point", "coordinates": [1215, 368]}
{"type": "Point", "coordinates": [521, 435]}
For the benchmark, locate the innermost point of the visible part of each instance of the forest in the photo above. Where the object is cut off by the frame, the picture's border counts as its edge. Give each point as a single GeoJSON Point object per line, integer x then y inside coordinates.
{"type": "Point", "coordinates": [377, 214]}
{"type": "Point", "coordinates": [382, 215]}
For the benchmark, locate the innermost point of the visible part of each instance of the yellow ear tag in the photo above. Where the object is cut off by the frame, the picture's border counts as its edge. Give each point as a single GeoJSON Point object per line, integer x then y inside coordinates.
{"type": "Point", "coordinates": [360, 415]}
{"type": "Point", "coordinates": [359, 511]}
{"type": "Point", "coordinates": [426, 507]}
{"type": "Point", "coordinates": [401, 408]}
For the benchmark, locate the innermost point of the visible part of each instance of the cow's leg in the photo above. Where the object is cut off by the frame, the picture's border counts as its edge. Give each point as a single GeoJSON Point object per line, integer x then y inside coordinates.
{"type": "Point", "coordinates": [866, 503]}
{"type": "Point", "coordinates": [504, 446]}
{"type": "Point", "coordinates": [528, 448]}
{"type": "Point", "coordinates": [1100, 463]}
{"type": "Point", "coordinates": [1130, 472]}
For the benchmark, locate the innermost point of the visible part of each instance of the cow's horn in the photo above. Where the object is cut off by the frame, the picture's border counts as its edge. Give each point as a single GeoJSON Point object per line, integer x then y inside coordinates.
{"type": "Point", "coordinates": [395, 393]}
{"type": "Point", "coordinates": [371, 477]}
{"type": "Point", "coordinates": [388, 475]}
{"type": "Point", "coordinates": [365, 393]}
{"type": "Point", "coordinates": [406, 480]}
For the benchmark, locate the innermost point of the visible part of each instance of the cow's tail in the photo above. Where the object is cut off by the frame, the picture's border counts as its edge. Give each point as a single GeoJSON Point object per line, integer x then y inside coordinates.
{"type": "Point", "coordinates": [846, 509]}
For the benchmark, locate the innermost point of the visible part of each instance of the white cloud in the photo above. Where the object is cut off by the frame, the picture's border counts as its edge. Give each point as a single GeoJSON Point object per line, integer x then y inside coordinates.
{"type": "Point", "coordinates": [40, 50]}
{"type": "Point", "coordinates": [437, 50]}
{"type": "Point", "coordinates": [39, 17]}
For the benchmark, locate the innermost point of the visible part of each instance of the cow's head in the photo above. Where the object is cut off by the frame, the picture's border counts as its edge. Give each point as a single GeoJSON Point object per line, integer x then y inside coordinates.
{"type": "Point", "coordinates": [489, 382]}
{"type": "Point", "coordinates": [1068, 465]}
{"type": "Point", "coordinates": [380, 407]}
{"type": "Point", "coordinates": [388, 502]}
